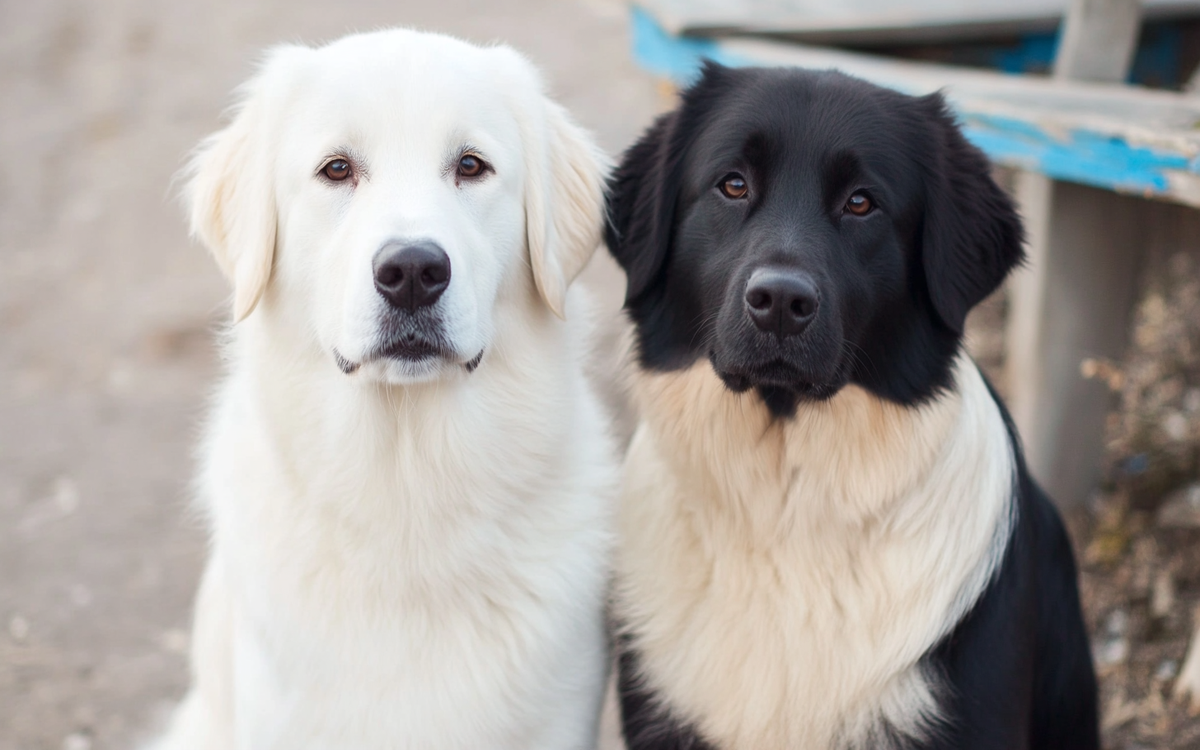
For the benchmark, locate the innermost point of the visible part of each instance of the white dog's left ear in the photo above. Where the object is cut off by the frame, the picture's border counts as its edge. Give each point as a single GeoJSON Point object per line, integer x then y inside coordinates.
{"type": "Point", "coordinates": [564, 204]}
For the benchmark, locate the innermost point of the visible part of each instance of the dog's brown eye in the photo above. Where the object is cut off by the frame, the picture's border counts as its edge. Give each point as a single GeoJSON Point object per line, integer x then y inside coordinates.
{"type": "Point", "coordinates": [470, 165]}
{"type": "Point", "coordinates": [337, 170]}
{"type": "Point", "coordinates": [859, 204]}
{"type": "Point", "coordinates": [734, 186]}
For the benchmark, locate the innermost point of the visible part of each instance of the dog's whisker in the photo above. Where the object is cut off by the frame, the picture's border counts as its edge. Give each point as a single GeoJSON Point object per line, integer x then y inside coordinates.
{"type": "Point", "coordinates": [474, 363]}
{"type": "Point", "coordinates": [704, 329]}
{"type": "Point", "coordinates": [344, 364]}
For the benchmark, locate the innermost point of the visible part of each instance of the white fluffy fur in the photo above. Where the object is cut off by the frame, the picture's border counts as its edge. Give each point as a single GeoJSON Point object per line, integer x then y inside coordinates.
{"type": "Point", "coordinates": [400, 558]}
{"type": "Point", "coordinates": [783, 578]}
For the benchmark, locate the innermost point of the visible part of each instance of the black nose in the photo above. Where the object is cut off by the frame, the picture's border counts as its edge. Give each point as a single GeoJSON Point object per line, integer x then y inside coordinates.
{"type": "Point", "coordinates": [411, 276]}
{"type": "Point", "coordinates": [780, 301]}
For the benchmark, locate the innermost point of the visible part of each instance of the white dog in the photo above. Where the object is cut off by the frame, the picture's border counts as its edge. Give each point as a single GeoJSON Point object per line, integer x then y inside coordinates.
{"type": "Point", "coordinates": [406, 477]}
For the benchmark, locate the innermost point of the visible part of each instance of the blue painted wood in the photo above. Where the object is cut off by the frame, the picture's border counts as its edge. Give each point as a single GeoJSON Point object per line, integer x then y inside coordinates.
{"type": "Point", "coordinates": [674, 57]}
{"type": "Point", "coordinates": [1156, 62]}
{"type": "Point", "coordinates": [1083, 157]}
{"type": "Point", "coordinates": [1074, 154]}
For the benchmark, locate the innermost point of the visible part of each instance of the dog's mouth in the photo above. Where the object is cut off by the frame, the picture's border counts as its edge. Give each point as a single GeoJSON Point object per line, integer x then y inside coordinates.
{"type": "Point", "coordinates": [781, 384]}
{"type": "Point", "coordinates": [410, 349]}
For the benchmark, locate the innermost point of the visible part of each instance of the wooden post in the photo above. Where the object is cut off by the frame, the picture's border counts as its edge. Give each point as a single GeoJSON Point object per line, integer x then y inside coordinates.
{"type": "Point", "coordinates": [1098, 40]}
{"type": "Point", "coordinates": [1072, 302]}
{"type": "Point", "coordinates": [1074, 298]}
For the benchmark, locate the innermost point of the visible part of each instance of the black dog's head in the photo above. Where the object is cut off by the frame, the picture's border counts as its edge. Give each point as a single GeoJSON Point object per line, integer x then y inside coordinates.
{"type": "Point", "coordinates": [807, 230]}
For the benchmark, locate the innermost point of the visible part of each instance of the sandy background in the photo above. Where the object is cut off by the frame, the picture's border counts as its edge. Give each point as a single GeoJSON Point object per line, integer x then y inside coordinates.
{"type": "Point", "coordinates": [106, 312]}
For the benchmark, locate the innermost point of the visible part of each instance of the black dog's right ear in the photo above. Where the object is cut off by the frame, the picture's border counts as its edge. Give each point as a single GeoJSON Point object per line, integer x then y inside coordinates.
{"type": "Point", "coordinates": [644, 189]}
{"type": "Point", "coordinates": [972, 236]}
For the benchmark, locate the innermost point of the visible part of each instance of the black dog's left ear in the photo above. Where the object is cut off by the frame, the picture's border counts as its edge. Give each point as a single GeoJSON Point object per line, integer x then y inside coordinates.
{"type": "Point", "coordinates": [972, 234]}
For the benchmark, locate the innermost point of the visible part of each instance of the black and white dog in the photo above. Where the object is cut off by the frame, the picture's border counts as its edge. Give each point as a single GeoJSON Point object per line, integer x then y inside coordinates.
{"type": "Point", "coordinates": [828, 536]}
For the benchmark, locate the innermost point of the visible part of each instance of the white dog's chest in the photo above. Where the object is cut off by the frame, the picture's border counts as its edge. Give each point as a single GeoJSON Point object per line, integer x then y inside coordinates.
{"type": "Point", "coordinates": [407, 683]}
{"type": "Point", "coordinates": [429, 605]}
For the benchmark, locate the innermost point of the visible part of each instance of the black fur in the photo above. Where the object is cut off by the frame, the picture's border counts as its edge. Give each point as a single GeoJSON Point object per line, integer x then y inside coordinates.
{"type": "Point", "coordinates": [644, 722]}
{"type": "Point", "coordinates": [895, 286]}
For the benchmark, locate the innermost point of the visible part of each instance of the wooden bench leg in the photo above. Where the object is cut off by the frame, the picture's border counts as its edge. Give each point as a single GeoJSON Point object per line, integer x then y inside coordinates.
{"type": "Point", "coordinates": [1072, 301]}
{"type": "Point", "coordinates": [1098, 41]}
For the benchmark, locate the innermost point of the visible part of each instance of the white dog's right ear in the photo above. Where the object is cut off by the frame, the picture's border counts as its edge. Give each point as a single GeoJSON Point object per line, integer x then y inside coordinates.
{"type": "Point", "coordinates": [230, 191]}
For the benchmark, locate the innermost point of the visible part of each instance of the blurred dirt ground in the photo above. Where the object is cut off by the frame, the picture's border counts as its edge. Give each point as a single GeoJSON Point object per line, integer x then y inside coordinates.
{"type": "Point", "coordinates": [106, 314]}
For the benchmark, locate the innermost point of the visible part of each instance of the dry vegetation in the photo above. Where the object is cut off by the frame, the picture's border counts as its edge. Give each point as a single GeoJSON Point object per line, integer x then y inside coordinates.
{"type": "Point", "coordinates": [1138, 540]}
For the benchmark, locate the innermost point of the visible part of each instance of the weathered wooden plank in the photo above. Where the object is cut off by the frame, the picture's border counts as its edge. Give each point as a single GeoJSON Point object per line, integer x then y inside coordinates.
{"type": "Point", "coordinates": [831, 21]}
{"type": "Point", "coordinates": [1120, 138]}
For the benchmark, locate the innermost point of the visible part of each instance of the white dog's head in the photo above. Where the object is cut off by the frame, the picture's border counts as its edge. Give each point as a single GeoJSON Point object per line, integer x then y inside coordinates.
{"type": "Point", "coordinates": [386, 193]}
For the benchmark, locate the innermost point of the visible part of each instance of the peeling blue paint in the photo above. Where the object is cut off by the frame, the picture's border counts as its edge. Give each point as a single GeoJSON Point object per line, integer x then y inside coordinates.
{"type": "Point", "coordinates": [678, 58]}
{"type": "Point", "coordinates": [1081, 156]}
{"type": "Point", "coordinates": [1067, 161]}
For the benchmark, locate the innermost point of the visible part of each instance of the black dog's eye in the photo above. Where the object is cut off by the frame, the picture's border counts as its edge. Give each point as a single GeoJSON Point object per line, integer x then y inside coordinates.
{"type": "Point", "coordinates": [859, 204]}
{"type": "Point", "coordinates": [470, 165]}
{"type": "Point", "coordinates": [734, 186]}
{"type": "Point", "coordinates": [337, 170]}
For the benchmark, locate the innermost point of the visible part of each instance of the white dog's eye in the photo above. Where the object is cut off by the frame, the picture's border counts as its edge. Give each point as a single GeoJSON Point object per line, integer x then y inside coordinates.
{"type": "Point", "coordinates": [337, 170]}
{"type": "Point", "coordinates": [470, 165]}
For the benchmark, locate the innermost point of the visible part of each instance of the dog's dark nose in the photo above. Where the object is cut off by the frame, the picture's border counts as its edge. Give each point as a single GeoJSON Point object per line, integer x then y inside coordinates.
{"type": "Point", "coordinates": [411, 276]}
{"type": "Point", "coordinates": [781, 302]}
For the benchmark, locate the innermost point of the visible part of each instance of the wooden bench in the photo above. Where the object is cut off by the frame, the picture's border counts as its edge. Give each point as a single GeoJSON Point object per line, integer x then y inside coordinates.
{"type": "Point", "coordinates": [1107, 172]}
